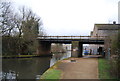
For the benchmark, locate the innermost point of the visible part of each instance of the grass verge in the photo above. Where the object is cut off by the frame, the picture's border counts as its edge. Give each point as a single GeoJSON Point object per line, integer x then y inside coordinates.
{"type": "Point", "coordinates": [104, 69]}
{"type": "Point", "coordinates": [52, 73]}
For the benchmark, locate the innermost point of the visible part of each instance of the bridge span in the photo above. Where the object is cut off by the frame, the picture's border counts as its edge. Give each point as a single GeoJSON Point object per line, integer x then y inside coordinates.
{"type": "Point", "coordinates": [69, 39]}
{"type": "Point", "coordinates": [76, 41]}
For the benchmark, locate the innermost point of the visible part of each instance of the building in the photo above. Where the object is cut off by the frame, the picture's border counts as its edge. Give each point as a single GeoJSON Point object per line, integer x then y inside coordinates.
{"type": "Point", "coordinates": [103, 30]}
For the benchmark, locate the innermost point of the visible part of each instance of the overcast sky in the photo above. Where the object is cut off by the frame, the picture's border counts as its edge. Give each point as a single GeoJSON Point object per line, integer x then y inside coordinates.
{"type": "Point", "coordinates": [72, 17]}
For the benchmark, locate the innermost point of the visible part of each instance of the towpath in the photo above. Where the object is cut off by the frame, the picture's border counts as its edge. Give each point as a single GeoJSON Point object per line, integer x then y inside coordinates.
{"type": "Point", "coordinates": [79, 68]}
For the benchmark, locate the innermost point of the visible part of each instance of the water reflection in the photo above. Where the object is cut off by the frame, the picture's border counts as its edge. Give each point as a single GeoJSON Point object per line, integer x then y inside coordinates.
{"type": "Point", "coordinates": [59, 56]}
{"type": "Point", "coordinates": [26, 68]}
{"type": "Point", "coordinates": [29, 68]}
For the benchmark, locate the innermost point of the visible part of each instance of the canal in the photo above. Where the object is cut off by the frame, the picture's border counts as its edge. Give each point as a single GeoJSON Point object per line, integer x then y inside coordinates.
{"type": "Point", "coordinates": [31, 68]}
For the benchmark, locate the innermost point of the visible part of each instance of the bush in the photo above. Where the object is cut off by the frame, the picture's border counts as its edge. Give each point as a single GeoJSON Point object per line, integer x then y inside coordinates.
{"type": "Point", "coordinates": [115, 55]}
{"type": "Point", "coordinates": [16, 45]}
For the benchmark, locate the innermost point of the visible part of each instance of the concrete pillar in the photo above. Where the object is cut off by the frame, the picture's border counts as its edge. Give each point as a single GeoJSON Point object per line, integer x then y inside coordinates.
{"type": "Point", "coordinates": [44, 48]}
{"type": "Point", "coordinates": [76, 49]}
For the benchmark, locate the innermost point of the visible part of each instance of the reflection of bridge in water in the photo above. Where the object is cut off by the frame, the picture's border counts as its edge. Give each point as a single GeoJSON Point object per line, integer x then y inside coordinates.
{"type": "Point", "coordinates": [76, 41]}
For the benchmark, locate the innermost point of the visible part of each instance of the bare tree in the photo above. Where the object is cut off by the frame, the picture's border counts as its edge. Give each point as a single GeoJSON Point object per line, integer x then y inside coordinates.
{"type": "Point", "coordinates": [6, 18]}
{"type": "Point", "coordinates": [23, 26]}
{"type": "Point", "coordinates": [29, 28]}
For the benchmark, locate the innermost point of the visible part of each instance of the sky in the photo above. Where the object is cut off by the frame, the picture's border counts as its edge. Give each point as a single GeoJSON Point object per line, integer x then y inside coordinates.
{"type": "Point", "coordinates": [72, 17]}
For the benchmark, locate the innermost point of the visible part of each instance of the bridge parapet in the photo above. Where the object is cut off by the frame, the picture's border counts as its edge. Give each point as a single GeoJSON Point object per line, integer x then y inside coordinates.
{"type": "Point", "coordinates": [72, 37]}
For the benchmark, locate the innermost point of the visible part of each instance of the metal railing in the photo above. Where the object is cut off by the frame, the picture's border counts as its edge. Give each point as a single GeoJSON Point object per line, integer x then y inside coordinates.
{"type": "Point", "coordinates": [72, 37]}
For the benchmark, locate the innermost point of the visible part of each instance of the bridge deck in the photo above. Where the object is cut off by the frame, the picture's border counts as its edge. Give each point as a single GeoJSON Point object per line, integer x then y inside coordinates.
{"type": "Point", "coordinates": [69, 39]}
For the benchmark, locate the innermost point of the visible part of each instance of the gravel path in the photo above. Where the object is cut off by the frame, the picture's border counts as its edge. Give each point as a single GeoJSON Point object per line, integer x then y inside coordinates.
{"type": "Point", "coordinates": [83, 68]}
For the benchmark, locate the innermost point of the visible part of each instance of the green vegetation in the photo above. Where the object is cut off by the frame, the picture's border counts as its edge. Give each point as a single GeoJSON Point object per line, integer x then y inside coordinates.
{"type": "Point", "coordinates": [113, 43]}
{"type": "Point", "coordinates": [67, 58]}
{"type": "Point", "coordinates": [23, 56]}
{"type": "Point", "coordinates": [115, 55]}
{"type": "Point", "coordinates": [104, 69]}
{"type": "Point", "coordinates": [52, 73]}
{"type": "Point", "coordinates": [19, 56]}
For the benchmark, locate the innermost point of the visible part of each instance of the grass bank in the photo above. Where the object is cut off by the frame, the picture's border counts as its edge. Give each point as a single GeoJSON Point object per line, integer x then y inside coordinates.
{"type": "Point", "coordinates": [104, 69]}
{"type": "Point", "coordinates": [52, 73]}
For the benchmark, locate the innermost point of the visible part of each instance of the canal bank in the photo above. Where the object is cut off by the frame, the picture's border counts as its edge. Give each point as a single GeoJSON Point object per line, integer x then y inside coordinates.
{"type": "Point", "coordinates": [73, 68]}
{"type": "Point", "coordinates": [25, 56]}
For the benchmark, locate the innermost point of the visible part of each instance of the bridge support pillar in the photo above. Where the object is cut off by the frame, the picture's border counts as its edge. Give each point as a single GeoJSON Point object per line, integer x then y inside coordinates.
{"type": "Point", "coordinates": [80, 49]}
{"type": "Point", "coordinates": [76, 49]}
{"type": "Point", "coordinates": [44, 48]}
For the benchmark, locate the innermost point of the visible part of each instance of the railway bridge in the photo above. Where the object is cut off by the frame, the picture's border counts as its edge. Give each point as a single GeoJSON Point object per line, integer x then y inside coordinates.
{"type": "Point", "coordinates": [76, 41]}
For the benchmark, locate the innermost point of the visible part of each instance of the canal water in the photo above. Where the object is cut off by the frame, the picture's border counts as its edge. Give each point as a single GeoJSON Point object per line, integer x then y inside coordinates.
{"type": "Point", "coordinates": [31, 68]}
